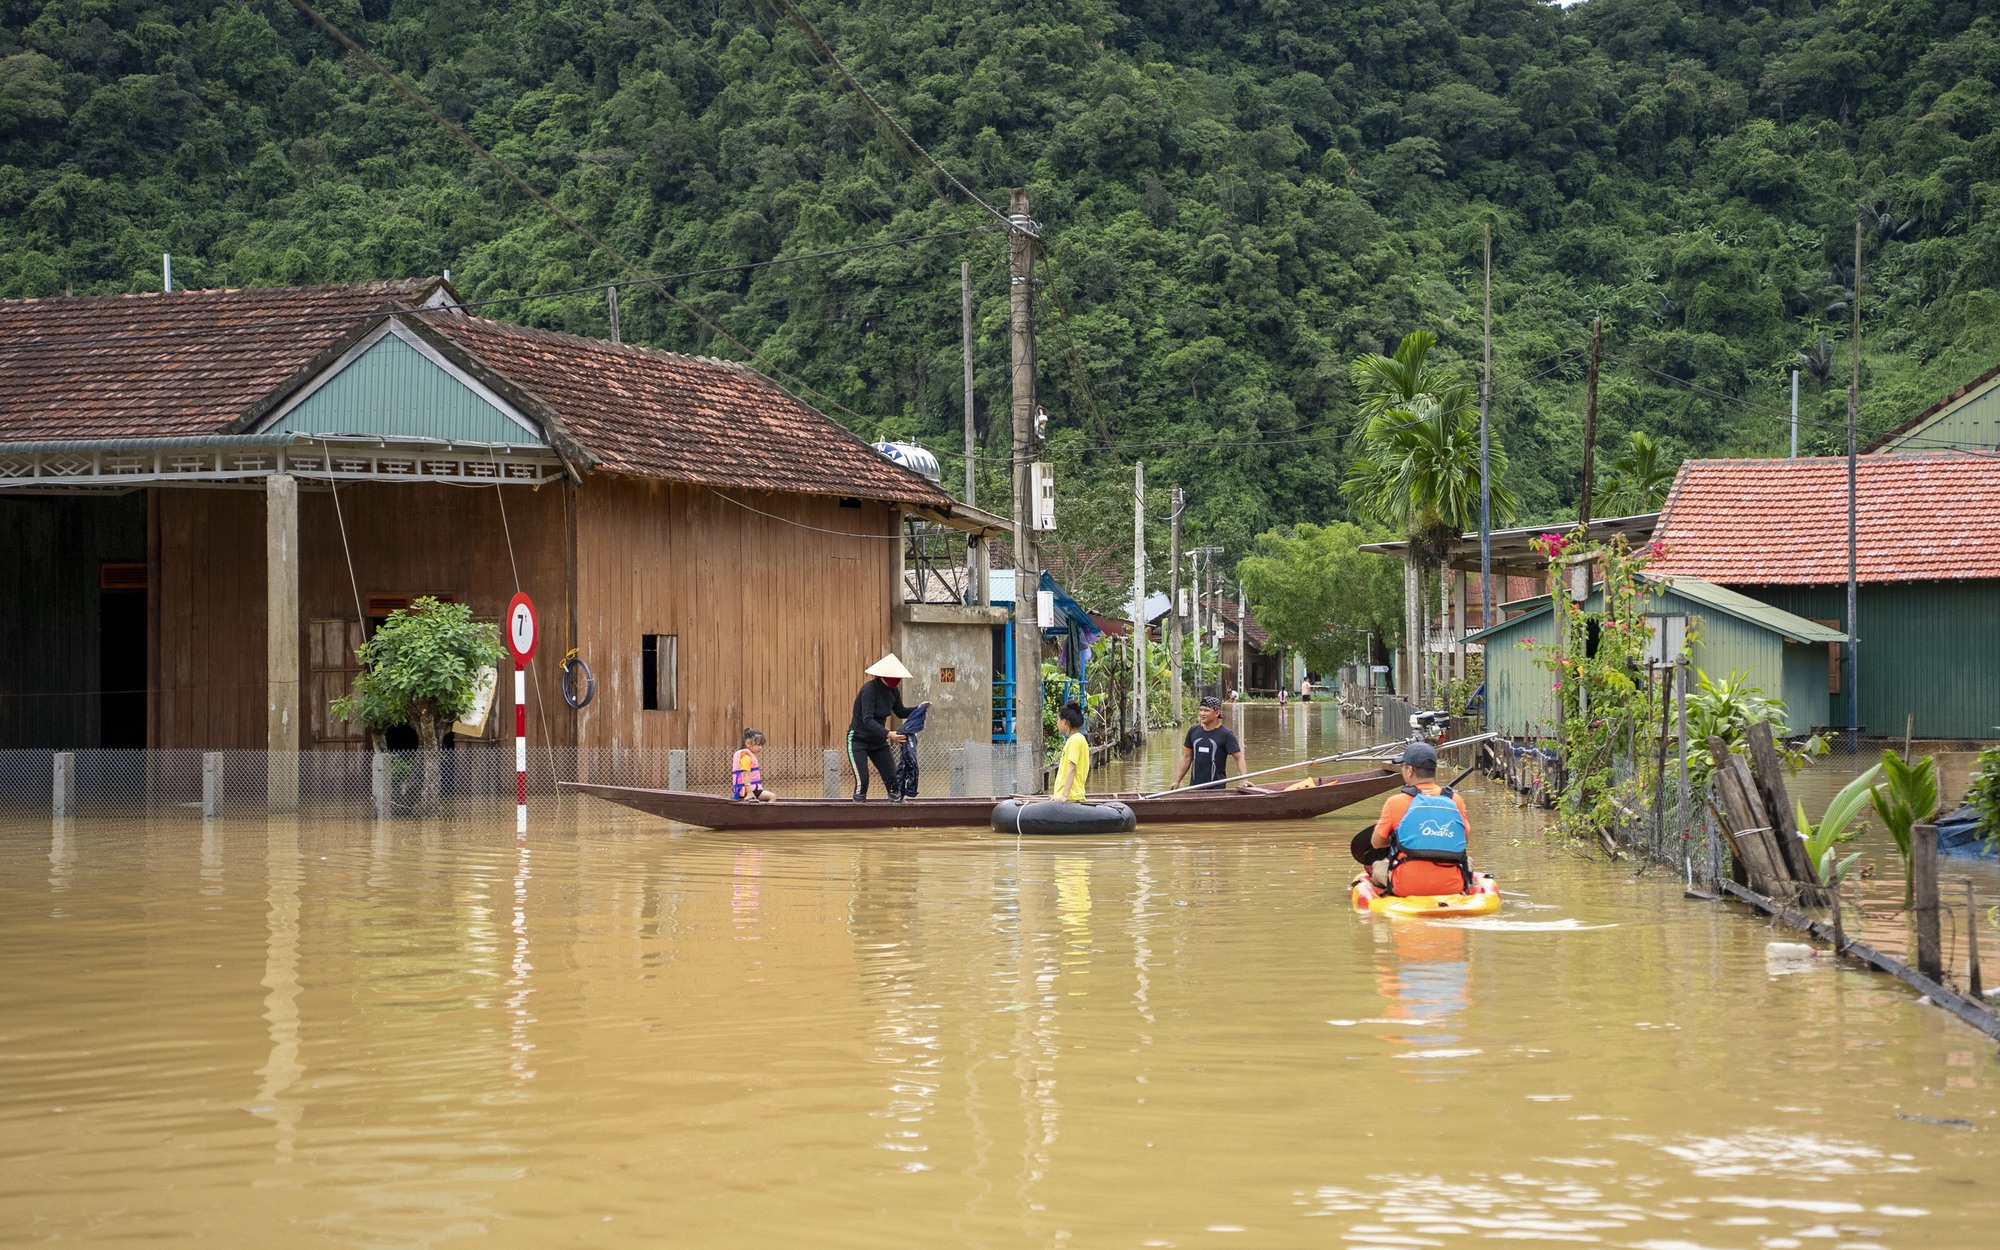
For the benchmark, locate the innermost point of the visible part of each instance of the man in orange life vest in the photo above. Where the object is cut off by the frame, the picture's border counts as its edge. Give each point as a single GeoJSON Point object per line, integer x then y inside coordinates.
{"type": "Point", "coordinates": [1419, 844]}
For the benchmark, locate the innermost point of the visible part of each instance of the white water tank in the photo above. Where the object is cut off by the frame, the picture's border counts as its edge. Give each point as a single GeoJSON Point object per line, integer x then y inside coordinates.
{"type": "Point", "coordinates": [912, 457]}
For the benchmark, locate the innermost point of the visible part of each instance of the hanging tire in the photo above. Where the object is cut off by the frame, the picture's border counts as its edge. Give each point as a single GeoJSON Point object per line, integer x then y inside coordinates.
{"type": "Point", "coordinates": [570, 667]}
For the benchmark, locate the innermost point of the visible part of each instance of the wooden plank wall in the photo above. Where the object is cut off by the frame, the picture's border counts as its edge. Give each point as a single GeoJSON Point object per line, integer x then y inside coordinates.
{"type": "Point", "coordinates": [775, 621]}
{"type": "Point", "coordinates": [420, 538]}
{"type": "Point", "coordinates": [210, 679]}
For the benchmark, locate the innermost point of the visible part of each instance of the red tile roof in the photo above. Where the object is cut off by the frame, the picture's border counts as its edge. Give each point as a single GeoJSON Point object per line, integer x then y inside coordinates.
{"type": "Point", "coordinates": [682, 418]}
{"type": "Point", "coordinates": [207, 362]}
{"type": "Point", "coordinates": [1929, 517]}
{"type": "Point", "coordinates": [159, 365]}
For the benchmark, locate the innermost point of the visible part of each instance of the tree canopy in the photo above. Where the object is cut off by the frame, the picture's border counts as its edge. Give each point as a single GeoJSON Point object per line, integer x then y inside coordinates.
{"type": "Point", "coordinates": [1238, 200]}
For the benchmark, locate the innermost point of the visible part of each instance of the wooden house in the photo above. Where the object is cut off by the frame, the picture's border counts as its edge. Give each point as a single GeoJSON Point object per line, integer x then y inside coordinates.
{"type": "Point", "coordinates": [207, 498]}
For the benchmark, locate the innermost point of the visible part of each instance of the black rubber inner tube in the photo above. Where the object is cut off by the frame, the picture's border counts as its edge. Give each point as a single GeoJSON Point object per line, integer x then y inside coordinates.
{"type": "Point", "coordinates": [569, 694]}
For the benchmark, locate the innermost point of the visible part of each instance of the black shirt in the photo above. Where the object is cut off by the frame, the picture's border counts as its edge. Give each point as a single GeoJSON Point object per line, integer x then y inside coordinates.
{"type": "Point", "coordinates": [873, 706]}
{"type": "Point", "coordinates": [1212, 749]}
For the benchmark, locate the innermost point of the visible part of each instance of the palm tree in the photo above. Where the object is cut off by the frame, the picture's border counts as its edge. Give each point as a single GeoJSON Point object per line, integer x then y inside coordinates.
{"type": "Point", "coordinates": [1638, 480]}
{"type": "Point", "coordinates": [1419, 465]}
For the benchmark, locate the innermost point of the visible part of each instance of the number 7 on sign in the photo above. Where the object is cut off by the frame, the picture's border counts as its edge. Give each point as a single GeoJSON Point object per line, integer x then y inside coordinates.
{"type": "Point", "coordinates": [521, 631]}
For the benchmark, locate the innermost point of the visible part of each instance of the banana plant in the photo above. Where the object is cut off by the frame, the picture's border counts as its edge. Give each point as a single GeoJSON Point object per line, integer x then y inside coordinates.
{"type": "Point", "coordinates": [1907, 797]}
{"type": "Point", "coordinates": [1837, 826]}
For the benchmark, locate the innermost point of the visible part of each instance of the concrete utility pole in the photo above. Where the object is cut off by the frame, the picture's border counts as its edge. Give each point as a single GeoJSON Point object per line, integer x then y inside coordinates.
{"type": "Point", "coordinates": [1590, 426]}
{"type": "Point", "coordinates": [1023, 233]}
{"type": "Point", "coordinates": [611, 307]}
{"type": "Point", "coordinates": [1241, 641]}
{"type": "Point", "coordinates": [1853, 581]}
{"type": "Point", "coordinates": [1139, 601]}
{"type": "Point", "coordinates": [1795, 412]}
{"type": "Point", "coordinates": [1174, 602]}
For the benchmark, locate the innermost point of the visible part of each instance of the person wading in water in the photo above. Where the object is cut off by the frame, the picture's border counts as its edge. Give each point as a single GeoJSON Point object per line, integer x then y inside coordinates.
{"type": "Point", "coordinates": [869, 738]}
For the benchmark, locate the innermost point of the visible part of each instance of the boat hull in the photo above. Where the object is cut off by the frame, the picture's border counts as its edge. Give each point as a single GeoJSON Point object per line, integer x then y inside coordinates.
{"type": "Point", "coordinates": [1483, 900]}
{"type": "Point", "coordinates": [1237, 805]}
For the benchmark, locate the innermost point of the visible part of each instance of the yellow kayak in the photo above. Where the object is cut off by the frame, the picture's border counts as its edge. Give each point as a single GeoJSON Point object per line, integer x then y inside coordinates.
{"type": "Point", "coordinates": [1484, 900]}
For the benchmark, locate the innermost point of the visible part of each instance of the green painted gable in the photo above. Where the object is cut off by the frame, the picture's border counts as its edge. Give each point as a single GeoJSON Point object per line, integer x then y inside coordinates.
{"type": "Point", "coordinates": [1968, 423]}
{"type": "Point", "coordinates": [395, 390]}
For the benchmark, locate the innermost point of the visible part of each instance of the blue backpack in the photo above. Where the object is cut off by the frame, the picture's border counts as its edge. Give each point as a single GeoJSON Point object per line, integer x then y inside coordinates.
{"type": "Point", "coordinates": [1431, 829]}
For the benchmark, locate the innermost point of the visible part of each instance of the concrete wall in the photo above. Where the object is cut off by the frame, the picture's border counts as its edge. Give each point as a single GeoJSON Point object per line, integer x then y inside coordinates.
{"type": "Point", "coordinates": [934, 639]}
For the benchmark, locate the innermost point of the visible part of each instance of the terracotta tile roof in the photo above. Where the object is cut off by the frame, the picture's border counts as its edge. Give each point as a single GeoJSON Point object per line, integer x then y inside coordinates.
{"type": "Point", "coordinates": [683, 418]}
{"type": "Point", "coordinates": [1257, 634]}
{"type": "Point", "coordinates": [158, 364]}
{"type": "Point", "coordinates": [207, 362]}
{"type": "Point", "coordinates": [1928, 517]}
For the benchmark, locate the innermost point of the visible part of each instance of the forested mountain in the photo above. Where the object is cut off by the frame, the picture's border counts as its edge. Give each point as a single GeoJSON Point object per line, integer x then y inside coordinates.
{"type": "Point", "coordinates": [1238, 198]}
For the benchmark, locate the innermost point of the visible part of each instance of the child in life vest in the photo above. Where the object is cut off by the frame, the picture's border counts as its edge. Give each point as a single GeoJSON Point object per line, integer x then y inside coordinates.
{"type": "Point", "coordinates": [747, 777]}
{"type": "Point", "coordinates": [1419, 845]}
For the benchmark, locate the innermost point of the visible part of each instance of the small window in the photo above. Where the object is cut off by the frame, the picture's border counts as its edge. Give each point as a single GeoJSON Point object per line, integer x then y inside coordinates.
{"type": "Point", "coordinates": [660, 672]}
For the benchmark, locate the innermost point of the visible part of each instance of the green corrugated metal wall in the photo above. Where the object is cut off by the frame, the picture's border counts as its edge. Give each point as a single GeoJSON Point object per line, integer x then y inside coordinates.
{"type": "Point", "coordinates": [394, 389]}
{"type": "Point", "coordinates": [1520, 695]}
{"type": "Point", "coordinates": [1931, 649]}
{"type": "Point", "coordinates": [1973, 425]}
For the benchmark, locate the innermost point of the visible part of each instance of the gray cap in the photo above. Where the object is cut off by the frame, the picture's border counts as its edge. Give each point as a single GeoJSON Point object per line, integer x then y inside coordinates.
{"type": "Point", "coordinates": [1419, 755]}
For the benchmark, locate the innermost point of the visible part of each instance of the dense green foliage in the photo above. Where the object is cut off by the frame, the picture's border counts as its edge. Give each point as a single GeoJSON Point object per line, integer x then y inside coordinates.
{"type": "Point", "coordinates": [1320, 595]}
{"type": "Point", "coordinates": [1239, 198]}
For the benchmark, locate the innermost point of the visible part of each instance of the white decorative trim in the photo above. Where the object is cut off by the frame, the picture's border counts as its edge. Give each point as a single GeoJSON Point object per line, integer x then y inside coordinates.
{"type": "Point", "coordinates": [352, 460]}
{"type": "Point", "coordinates": [395, 326]}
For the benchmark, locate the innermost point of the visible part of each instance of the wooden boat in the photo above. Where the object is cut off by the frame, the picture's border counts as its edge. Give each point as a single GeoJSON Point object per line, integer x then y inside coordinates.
{"type": "Point", "coordinates": [1236, 805]}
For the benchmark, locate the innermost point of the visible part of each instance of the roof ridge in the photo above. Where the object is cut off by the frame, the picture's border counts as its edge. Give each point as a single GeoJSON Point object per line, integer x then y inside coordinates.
{"type": "Point", "coordinates": [373, 284]}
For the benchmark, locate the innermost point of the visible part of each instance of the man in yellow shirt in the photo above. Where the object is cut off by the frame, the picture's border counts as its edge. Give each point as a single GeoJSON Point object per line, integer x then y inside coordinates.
{"type": "Point", "coordinates": [1075, 770]}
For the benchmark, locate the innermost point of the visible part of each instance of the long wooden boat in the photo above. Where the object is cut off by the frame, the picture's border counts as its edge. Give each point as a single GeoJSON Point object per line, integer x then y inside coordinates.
{"type": "Point", "coordinates": [1236, 805]}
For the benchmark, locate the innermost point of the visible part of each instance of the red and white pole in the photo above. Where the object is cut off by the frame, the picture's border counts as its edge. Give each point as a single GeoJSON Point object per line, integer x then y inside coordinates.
{"type": "Point", "coordinates": [520, 746]}
{"type": "Point", "coordinates": [521, 637]}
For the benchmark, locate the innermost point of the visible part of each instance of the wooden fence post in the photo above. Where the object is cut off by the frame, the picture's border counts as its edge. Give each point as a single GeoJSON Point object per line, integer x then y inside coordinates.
{"type": "Point", "coordinates": [1924, 899]}
{"type": "Point", "coordinates": [1972, 981]}
{"type": "Point", "coordinates": [1769, 774]}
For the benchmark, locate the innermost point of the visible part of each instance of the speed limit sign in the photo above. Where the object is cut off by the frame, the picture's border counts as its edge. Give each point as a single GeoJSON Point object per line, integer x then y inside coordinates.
{"type": "Point", "coordinates": [521, 628]}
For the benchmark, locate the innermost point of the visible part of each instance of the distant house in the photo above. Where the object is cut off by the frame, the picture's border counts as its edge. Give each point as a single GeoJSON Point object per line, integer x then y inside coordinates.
{"type": "Point", "coordinates": [1784, 654]}
{"type": "Point", "coordinates": [1968, 419]}
{"type": "Point", "coordinates": [209, 498]}
{"type": "Point", "coordinates": [1928, 563]}
{"type": "Point", "coordinates": [1262, 668]}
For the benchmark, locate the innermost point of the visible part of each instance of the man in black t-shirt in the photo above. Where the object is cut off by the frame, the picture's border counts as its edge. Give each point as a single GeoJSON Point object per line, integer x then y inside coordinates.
{"type": "Point", "coordinates": [1208, 748]}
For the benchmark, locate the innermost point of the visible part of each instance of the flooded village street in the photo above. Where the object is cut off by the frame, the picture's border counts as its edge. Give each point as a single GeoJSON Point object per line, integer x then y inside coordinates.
{"type": "Point", "coordinates": [304, 1031]}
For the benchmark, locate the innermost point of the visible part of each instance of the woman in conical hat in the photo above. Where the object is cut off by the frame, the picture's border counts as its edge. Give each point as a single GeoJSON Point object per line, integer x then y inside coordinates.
{"type": "Point", "coordinates": [869, 738]}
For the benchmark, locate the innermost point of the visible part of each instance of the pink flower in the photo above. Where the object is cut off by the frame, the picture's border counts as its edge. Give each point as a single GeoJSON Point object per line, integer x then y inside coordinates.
{"type": "Point", "coordinates": [1657, 548]}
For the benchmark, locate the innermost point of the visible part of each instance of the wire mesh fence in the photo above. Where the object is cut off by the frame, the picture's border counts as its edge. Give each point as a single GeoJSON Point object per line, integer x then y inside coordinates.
{"type": "Point", "coordinates": [112, 782]}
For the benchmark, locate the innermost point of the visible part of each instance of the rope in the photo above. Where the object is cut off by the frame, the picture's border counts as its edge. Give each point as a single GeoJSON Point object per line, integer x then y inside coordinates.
{"type": "Point", "coordinates": [817, 529]}
{"type": "Point", "coordinates": [500, 493]}
{"type": "Point", "coordinates": [360, 616]}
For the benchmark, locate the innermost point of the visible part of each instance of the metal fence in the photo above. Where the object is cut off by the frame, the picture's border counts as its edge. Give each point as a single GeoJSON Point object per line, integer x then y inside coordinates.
{"type": "Point", "coordinates": [113, 782]}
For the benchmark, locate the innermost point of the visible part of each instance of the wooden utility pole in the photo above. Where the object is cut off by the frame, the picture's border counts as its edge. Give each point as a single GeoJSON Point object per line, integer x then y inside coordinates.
{"type": "Point", "coordinates": [1924, 899]}
{"type": "Point", "coordinates": [977, 545]}
{"type": "Point", "coordinates": [1853, 581]}
{"type": "Point", "coordinates": [1590, 426]}
{"type": "Point", "coordinates": [1022, 236]}
{"type": "Point", "coordinates": [1139, 601]}
{"type": "Point", "coordinates": [965, 345]}
{"type": "Point", "coordinates": [1485, 457]}
{"type": "Point", "coordinates": [1241, 641]}
{"type": "Point", "coordinates": [1174, 601]}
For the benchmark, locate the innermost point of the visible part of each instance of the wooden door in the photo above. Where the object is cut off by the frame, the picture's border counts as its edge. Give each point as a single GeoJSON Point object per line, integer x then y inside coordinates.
{"type": "Point", "coordinates": [332, 666]}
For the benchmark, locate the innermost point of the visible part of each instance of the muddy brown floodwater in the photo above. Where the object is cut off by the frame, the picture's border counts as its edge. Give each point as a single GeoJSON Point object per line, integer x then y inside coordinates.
{"type": "Point", "coordinates": [309, 1032]}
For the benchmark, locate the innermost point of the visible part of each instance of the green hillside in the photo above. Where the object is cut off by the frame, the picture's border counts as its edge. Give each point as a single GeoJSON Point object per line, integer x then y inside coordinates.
{"type": "Point", "coordinates": [1238, 198]}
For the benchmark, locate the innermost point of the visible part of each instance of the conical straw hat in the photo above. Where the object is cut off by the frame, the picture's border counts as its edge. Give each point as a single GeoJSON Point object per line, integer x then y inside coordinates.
{"type": "Point", "coordinates": [888, 666]}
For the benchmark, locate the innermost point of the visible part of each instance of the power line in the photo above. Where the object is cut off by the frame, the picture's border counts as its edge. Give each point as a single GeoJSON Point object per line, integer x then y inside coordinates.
{"type": "Point", "coordinates": [902, 137]}
{"type": "Point", "coordinates": [287, 323]}
{"type": "Point", "coordinates": [574, 226]}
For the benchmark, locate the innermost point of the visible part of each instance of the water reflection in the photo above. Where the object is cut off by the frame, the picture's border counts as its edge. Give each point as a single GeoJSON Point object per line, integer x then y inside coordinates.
{"type": "Point", "coordinates": [282, 1068]}
{"type": "Point", "coordinates": [938, 1040]}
